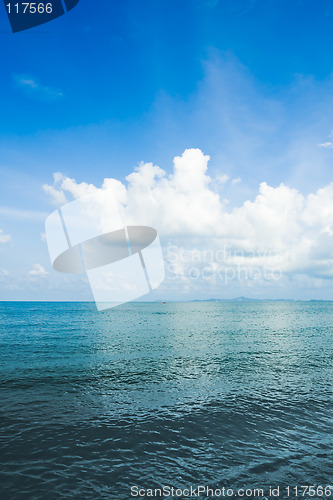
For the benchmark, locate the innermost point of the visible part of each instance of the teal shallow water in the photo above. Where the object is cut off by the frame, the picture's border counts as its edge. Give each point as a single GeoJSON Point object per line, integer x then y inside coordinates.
{"type": "Point", "coordinates": [220, 394]}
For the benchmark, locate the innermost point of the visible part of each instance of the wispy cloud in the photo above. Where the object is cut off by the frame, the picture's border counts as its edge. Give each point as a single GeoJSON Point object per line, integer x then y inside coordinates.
{"type": "Point", "coordinates": [222, 179]}
{"type": "Point", "coordinates": [33, 87]}
{"type": "Point", "coordinates": [23, 214]}
{"type": "Point", "coordinates": [4, 238]}
{"type": "Point", "coordinates": [328, 144]}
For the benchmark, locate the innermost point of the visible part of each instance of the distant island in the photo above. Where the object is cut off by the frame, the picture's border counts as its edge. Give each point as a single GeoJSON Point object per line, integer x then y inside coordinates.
{"type": "Point", "coordinates": [247, 299]}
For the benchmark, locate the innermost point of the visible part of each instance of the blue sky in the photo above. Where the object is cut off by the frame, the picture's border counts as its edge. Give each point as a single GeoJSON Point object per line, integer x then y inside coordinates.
{"type": "Point", "coordinates": [111, 84]}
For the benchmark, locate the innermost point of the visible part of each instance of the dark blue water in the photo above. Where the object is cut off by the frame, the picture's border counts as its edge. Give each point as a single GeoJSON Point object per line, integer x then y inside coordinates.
{"type": "Point", "coordinates": [216, 394]}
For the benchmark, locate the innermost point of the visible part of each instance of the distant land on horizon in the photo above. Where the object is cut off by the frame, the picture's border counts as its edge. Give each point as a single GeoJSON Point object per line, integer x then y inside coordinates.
{"type": "Point", "coordinates": [247, 299]}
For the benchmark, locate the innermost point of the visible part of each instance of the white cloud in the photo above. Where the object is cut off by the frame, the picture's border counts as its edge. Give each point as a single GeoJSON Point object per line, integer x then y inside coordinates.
{"type": "Point", "coordinates": [57, 197]}
{"type": "Point", "coordinates": [4, 272]}
{"type": "Point", "coordinates": [4, 238]}
{"type": "Point", "coordinates": [34, 87]}
{"type": "Point", "coordinates": [328, 144]}
{"type": "Point", "coordinates": [279, 230]}
{"type": "Point", "coordinates": [222, 179]}
{"type": "Point", "coordinates": [38, 271]}
{"type": "Point", "coordinates": [62, 185]}
{"type": "Point", "coordinates": [29, 82]}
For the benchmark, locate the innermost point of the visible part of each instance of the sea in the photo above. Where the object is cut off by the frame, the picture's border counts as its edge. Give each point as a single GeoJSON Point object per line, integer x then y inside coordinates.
{"type": "Point", "coordinates": [175, 400]}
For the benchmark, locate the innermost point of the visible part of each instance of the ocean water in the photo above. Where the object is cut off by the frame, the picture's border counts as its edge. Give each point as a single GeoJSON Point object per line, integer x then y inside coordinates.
{"type": "Point", "coordinates": [234, 395]}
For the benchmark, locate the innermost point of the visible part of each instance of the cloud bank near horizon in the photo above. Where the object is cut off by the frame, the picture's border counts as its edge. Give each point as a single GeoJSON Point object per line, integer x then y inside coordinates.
{"type": "Point", "coordinates": [280, 229]}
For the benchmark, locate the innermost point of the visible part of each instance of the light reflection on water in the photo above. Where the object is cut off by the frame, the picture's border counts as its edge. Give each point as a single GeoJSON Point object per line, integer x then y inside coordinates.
{"type": "Point", "coordinates": [151, 394]}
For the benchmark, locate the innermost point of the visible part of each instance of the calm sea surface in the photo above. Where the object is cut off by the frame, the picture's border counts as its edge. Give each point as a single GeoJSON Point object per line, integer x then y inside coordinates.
{"type": "Point", "coordinates": [234, 395]}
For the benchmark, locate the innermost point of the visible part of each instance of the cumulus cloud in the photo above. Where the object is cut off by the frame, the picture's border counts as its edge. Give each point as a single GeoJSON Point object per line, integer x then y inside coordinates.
{"type": "Point", "coordinates": [4, 238]}
{"type": "Point", "coordinates": [280, 229]}
{"type": "Point", "coordinates": [57, 196]}
{"type": "Point", "coordinates": [38, 271]}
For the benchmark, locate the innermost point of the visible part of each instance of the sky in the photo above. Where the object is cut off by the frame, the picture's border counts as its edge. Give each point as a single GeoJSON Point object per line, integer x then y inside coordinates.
{"type": "Point", "coordinates": [212, 117]}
